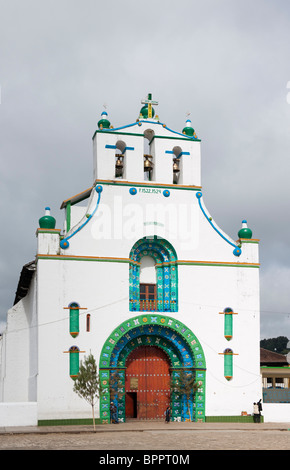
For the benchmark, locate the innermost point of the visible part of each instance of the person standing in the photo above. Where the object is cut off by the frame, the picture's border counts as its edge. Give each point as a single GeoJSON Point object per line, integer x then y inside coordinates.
{"type": "Point", "coordinates": [167, 415]}
{"type": "Point", "coordinates": [260, 409]}
{"type": "Point", "coordinates": [113, 410]}
{"type": "Point", "coordinates": [256, 413]}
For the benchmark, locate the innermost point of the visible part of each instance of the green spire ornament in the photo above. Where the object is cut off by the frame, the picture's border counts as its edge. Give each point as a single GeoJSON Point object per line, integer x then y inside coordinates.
{"type": "Point", "coordinates": [245, 232]}
{"type": "Point", "coordinates": [104, 123]}
{"type": "Point", "coordinates": [188, 129]}
{"type": "Point", "coordinates": [47, 221]}
{"type": "Point", "coordinates": [147, 111]}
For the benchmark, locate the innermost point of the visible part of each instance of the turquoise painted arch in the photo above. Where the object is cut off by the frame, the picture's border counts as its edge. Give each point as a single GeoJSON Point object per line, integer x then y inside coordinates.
{"type": "Point", "coordinates": [183, 350]}
{"type": "Point", "coordinates": [165, 258]}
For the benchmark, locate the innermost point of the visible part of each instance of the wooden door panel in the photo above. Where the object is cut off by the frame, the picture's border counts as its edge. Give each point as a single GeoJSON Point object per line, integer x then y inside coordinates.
{"type": "Point", "coordinates": [148, 369]}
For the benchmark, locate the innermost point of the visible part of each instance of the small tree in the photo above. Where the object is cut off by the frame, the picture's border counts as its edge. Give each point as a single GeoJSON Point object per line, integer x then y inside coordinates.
{"type": "Point", "coordinates": [185, 385]}
{"type": "Point", "coordinates": [87, 383]}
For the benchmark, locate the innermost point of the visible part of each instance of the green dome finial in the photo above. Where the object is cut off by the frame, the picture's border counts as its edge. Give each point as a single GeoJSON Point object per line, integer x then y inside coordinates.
{"type": "Point", "coordinates": [47, 221]}
{"type": "Point", "coordinates": [245, 232]}
{"type": "Point", "coordinates": [104, 123]}
{"type": "Point", "coordinates": [144, 112]}
{"type": "Point", "coordinates": [188, 129]}
{"type": "Point", "coordinates": [147, 111]}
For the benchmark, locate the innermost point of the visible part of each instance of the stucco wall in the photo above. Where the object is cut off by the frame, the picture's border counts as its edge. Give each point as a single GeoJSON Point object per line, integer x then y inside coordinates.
{"type": "Point", "coordinates": [276, 412]}
{"type": "Point", "coordinates": [18, 414]}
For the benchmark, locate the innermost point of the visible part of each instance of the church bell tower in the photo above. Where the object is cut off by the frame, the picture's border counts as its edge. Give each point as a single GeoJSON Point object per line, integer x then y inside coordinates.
{"type": "Point", "coordinates": [146, 151]}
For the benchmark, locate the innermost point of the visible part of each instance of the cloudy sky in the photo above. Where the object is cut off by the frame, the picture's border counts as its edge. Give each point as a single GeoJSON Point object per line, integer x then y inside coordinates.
{"type": "Point", "coordinates": [227, 62]}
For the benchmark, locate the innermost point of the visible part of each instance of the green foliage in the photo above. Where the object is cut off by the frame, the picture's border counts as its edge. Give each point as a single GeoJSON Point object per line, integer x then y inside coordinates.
{"type": "Point", "coordinates": [278, 345]}
{"type": "Point", "coordinates": [87, 383]}
{"type": "Point", "coordinates": [185, 385]}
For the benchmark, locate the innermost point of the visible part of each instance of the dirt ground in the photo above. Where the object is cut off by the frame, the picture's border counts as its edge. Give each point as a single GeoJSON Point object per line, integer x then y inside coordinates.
{"type": "Point", "coordinates": [150, 436]}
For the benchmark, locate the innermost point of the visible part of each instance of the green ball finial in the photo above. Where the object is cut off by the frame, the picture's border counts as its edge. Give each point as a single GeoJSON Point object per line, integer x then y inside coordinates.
{"type": "Point", "coordinates": [104, 123]}
{"type": "Point", "coordinates": [188, 129]}
{"type": "Point", "coordinates": [47, 221]}
{"type": "Point", "coordinates": [245, 232]}
{"type": "Point", "coordinates": [144, 112]}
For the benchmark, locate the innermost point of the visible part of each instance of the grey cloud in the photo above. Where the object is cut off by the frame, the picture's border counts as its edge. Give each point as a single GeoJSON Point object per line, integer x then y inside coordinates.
{"type": "Point", "coordinates": [225, 62]}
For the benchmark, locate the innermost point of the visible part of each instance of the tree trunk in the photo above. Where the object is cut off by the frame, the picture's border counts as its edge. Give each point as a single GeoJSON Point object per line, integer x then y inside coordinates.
{"type": "Point", "coordinates": [93, 411]}
{"type": "Point", "coordinates": [188, 408]}
{"type": "Point", "coordinates": [189, 412]}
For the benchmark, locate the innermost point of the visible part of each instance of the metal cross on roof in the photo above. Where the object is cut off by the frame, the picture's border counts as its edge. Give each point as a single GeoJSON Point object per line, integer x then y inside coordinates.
{"type": "Point", "coordinates": [150, 102]}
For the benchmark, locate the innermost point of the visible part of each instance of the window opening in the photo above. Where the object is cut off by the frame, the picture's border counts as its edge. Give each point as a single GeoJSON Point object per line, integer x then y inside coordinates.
{"type": "Point", "coordinates": [228, 323]}
{"type": "Point", "coordinates": [228, 363]}
{"type": "Point", "coordinates": [74, 364]}
{"type": "Point", "coordinates": [148, 297]}
{"type": "Point", "coordinates": [88, 322]}
{"type": "Point", "coordinates": [74, 314]}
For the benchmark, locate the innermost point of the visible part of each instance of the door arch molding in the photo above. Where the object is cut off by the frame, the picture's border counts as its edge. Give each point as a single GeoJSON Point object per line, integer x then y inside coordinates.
{"type": "Point", "coordinates": [174, 337]}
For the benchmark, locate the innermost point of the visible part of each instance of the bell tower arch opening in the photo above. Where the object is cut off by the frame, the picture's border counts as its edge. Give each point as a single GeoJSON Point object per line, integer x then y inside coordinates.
{"type": "Point", "coordinates": [120, 157]}
{"type": "Point", "coordinates": [149, 157]}
{"type": "Point", "coordinates": [177, 165]}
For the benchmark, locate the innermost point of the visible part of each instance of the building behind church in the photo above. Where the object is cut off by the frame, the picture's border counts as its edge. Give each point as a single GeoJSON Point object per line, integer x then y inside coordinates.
{"type": "Point", "coordinates": [142, 277]}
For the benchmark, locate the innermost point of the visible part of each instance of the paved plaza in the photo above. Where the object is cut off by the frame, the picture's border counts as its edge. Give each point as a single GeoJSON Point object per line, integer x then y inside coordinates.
{"type": "Point", "coordinates": [154, 436]}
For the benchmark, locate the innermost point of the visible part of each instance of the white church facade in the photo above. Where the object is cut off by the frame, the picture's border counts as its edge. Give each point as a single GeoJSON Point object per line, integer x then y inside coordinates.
{"type": "Point", "coordinates": [143, 278]}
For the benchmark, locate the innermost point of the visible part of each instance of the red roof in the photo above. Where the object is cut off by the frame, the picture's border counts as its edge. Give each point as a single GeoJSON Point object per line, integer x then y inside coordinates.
{"type": "Point", "coordinates": [271, 358]}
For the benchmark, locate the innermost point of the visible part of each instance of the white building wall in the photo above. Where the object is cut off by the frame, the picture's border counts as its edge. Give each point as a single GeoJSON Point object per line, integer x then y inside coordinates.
{"type": "Point", "coordinates": [276, 412]}
{"type": "Point", "coordinates": [122, 219]}
{"type": "Point", "coordinates": [88, 284]}
{"type": "Point", "coordinates": [18, 414]}
{"type": "Point", "coordinates": [19, 351]}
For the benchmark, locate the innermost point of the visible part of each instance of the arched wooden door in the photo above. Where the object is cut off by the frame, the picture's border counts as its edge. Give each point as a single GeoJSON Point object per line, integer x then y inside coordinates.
{"type": "Point", "coordinates": [147, 383]}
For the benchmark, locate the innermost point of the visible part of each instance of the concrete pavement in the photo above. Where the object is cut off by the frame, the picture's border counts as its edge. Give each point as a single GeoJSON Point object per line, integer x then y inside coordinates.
{"type": "Point", "coordinates": [149, 436]}
{"type": "Point", "coordinates": [141, 426]}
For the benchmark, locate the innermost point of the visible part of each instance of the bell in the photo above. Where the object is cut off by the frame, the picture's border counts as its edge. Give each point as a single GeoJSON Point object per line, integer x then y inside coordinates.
{"type": "Point", "coordinates": [176, 166]}
{"type": "Point", "coordinates": [148, 165]}
{"type": "Point", "coordinates": [119, 162]}
{"type": "Point", "coordinates": [119, 165]}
